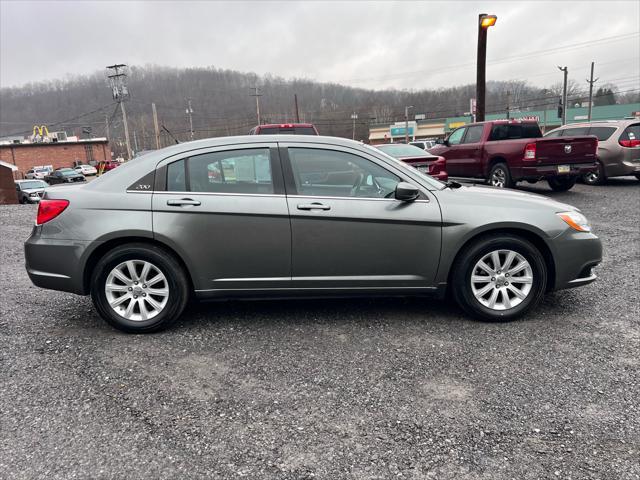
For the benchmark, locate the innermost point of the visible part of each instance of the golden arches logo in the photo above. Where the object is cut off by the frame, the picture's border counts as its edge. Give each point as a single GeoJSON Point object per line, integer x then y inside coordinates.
{"type": "Point", "coordinates": [41, 131]}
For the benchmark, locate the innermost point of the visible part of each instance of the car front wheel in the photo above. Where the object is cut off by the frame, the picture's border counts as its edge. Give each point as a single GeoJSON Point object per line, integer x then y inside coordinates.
{"type": "Point", "coordinates": [139, 288]}
{"type": "Point", "coordinates": [499, 278]}
{"type": "Point", "coordinates": [500, 176]}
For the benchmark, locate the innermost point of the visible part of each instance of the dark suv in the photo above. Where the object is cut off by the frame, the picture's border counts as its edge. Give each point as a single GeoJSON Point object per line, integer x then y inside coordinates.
{"type": "Point", "coordinates": [284, 129]}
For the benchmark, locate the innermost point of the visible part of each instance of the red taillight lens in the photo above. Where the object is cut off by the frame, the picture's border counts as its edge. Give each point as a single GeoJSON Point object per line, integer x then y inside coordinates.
{"type": "Point", "coordinates": [50, 209]}
{"type": "Point", "coordinates": [630, 143]}
{"type": "Point", "coordinates": [530, 151]}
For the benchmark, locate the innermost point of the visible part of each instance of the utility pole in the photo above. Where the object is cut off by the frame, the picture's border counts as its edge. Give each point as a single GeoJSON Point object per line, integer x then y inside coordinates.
{"type": "Point", "coordinates": [354, 117]}
{"type": "Point", "coordinates": [190, 113]}
{"type": "Point", "coordinates": [565, 70]}
{"type": "Point", "coordinates": [406, 123]}
{"type": "Point", "coordinates": [155, 125]}
{"type": "Point", "coordinates": [591, 82]}
{"type": "Point", "coordinates": [135, 142]}
{"type": "Point", "coordinates": [508, 104]}
{"type": "Point", "coordinates": [106, 127]}
{"type": "Point", "coordinates": [484, 22]}
{"type": "Point", "coordinates": [120, 93]}
{"type": "Point", "coordinates": [295, 99]}
{"type": "Point", "coordinates": [257, 95]}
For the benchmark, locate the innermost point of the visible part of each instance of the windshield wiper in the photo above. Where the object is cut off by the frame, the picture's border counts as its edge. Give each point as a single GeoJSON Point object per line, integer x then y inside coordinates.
{"type": "Point", "coordinates": [452, 184]}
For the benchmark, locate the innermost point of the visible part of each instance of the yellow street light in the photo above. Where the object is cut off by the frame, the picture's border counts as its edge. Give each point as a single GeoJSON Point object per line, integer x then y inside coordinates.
{"type": "Point", "coordinates": [487, 21]}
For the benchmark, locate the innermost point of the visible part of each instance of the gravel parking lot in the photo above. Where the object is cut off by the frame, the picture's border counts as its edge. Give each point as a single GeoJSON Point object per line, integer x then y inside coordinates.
{"type": "Point", "coordinates": [365, 388]}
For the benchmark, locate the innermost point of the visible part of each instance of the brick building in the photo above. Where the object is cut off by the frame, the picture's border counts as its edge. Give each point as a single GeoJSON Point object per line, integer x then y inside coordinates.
{"type": "Point", "coordinates": [7, 187]}
{"type": "Point", "coordinates": [59, 154]}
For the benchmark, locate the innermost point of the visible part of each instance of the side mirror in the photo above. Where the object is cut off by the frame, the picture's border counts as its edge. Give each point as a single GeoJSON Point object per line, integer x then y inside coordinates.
{"type": "Point", "coordinates": [406, 192]}
{"type": "Point", "coordinates": [442, 141]}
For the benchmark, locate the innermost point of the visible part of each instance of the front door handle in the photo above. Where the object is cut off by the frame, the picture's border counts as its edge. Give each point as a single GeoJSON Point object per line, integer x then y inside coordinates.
{"type": "Point", "coordinates": [183, 202]}
{"type": "Point", "coordinates": [313, 206]}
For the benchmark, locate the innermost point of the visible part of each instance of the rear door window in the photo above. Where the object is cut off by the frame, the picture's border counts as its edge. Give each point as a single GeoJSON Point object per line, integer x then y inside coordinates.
{"type": "Point", "coordinates": [603, 133]}
{"type": "Point", "coordinates": [474, 134]}
{"type": "Point", "coordinates": [575, 131]}
{"type": "Point", "coordinates": [237, 171]}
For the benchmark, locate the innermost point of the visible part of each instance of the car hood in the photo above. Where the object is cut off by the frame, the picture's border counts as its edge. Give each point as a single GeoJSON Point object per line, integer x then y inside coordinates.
{"type": "Point", "coordinates": [478, 194]}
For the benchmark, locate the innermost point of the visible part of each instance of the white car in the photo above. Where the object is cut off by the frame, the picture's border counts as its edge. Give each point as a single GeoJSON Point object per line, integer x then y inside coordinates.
{"type": "Point", "coordinates": [37, 173]}
{"type": "Point", "coordinates": [86, 169]}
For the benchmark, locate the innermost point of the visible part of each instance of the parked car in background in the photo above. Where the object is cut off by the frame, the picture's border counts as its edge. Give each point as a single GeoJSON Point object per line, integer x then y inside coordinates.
{"type": "Point", "coordinates": [423, 144]}
{"type": "Point", "coordinates": [30, 191]}
{"type": "Point", "coordinates": [107, 165]}
{"type": "Point", "coordinates": [285, 129]}
{"type": "Point", "coordinates": [86, 170]}
{"type": "Point", "coordinates": [618, 147]}
{"type": "Point", "coordinates": [64, 175]}
{"type": "Point", "coordinates": [503, 152]}
{"type": "Point", "coordinates": [418, 158]}
{"type": "Point", "coordinates": [38, 173]}
{"type": "Point", "coordinates": [299, 216]}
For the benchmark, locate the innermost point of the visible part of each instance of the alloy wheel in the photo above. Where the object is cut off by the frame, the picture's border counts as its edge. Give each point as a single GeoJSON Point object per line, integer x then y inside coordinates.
{"type": "Point", "coordinates": [501, 279]}
{"type": "Point", "coordinates": [498, 178]}
{"type": "Point", "coordinates": [137, 290]}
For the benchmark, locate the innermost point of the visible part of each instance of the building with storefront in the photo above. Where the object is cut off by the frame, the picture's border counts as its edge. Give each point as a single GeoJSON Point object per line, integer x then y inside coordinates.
{"type": "Point", "coordinates": [548, 120]}
{"type": "Point", "coordinates": [26, 155]}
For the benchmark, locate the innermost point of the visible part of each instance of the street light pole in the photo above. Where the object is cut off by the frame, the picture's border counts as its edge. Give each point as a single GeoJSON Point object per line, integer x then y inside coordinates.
{"type": "Point", "coordinates": [484, 22]}
{"type": "Point", "coordinates": [406, 123]}
{"type": "Point", "coordinates": [565, 70]}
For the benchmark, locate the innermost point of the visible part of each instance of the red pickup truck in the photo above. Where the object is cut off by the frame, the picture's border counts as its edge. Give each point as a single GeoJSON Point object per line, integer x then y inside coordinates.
{"type": "Point", "coordinates": [504, 152]}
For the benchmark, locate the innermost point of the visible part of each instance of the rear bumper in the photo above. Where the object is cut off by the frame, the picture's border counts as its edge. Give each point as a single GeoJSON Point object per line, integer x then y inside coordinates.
{"type": "Point", "coordinates": [575, 256]}
{"type": "Point", "coordinates": [55, 264]}
{"type": "Point", "coordinates": [546, 171]}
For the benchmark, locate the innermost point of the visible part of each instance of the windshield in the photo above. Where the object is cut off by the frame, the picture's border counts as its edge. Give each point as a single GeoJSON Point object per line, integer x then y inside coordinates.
{"type": "Point", "coordinates": [33, 184]}
{"type": "Point", "coordinates": [67, 171]}
{"type": "Point", "coordinates": [402, 150]}
{"type": "Point", "coordinates": [432, 182]}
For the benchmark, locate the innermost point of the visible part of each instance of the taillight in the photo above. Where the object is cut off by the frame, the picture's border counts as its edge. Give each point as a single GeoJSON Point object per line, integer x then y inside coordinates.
{"type": "Point", "coordinates": [630, 143]}
{"type": "Point", "coordinates": [530, 151]}
{"type": "Point", "coordinates": [50, 209]}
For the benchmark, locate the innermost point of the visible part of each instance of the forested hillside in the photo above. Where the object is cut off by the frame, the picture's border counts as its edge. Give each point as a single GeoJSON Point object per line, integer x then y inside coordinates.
{"type": "Point", "coordinates": [222, 103]}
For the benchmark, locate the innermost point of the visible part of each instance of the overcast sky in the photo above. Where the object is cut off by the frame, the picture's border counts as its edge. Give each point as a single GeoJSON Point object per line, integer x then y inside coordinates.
{"type": "Point", "coordinates": [405, 45]}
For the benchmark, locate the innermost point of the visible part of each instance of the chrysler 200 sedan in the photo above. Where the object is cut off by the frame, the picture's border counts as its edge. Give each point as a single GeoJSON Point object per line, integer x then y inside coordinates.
{"type": "Point", "coordinates": [283, 216]}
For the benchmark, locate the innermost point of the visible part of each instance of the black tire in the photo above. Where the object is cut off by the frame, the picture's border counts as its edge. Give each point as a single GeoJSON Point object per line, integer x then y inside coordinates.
{"type": "Point", "coordinates": [463, 267]}
{"type": "Point", "coordinates": [500, 176]}
{"type": "Point", "coordinates": [561, 184]}
{"type": "Point", "coordinates": [597, 178]}
{"type": "Point", "coordinates": [177, 282]}
{"type": "Point", "coordinates": [637, 175]}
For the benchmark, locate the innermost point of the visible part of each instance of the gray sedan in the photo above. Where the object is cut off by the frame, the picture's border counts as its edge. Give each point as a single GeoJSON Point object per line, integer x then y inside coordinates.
{"type": "Point", "coordinates": [278, 216]}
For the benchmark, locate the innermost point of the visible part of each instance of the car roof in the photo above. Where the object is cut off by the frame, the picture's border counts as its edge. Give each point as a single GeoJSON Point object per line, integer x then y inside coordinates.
{"type": "Point", "coordinates": [623, 122]}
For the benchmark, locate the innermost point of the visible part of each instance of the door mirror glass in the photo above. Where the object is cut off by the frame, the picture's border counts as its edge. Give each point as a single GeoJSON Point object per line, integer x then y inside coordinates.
{"type": "Point", "coordinates": [406, 192]}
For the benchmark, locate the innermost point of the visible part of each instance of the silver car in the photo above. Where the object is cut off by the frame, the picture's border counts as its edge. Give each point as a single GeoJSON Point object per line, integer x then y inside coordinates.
{"type": "Point", "coordinates": [30, 191]}
{"type": "Point", "coordinates": [618, 147]}
{"type": "Point", "coordinates": [282, 216]}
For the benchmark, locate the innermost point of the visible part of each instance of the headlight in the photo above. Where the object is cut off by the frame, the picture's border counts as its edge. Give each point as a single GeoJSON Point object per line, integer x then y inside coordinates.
{"type": "Point", "coordinates": [575, 220]}
{"type": "Point", "coordinates": [33, 194]}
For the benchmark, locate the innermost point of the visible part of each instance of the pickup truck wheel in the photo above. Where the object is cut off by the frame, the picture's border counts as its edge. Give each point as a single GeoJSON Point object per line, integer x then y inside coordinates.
{"type": "Point", "coordinates": [499, 176]}
{"type": "Point", "coordinates": [561, 184]}
{"type": "Point", "coordinates": [498, 277]}
{"type": "Point", "coordinates": [139, 288]}
{"type": "Point", "coordinates": [595, 178]}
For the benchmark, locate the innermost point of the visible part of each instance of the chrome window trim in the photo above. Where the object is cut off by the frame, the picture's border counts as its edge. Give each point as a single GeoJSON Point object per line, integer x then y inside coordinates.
{"type": "Point", "coordinates": [222, 194]}
{"type": "Point", "coordinates": [421, 200]}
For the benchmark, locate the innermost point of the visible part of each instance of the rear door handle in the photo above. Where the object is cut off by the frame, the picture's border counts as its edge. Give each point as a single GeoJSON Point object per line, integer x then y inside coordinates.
{"type": "Point", "coordinates": [183, 202]}
{"type": "Point", "coordinates": [313, 206]}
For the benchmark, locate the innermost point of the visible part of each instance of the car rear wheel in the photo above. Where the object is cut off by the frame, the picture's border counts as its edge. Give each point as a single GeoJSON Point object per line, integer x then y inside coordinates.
{"type": "Point", "coordinates": [561, 184]}
{"type": "Point", "coordinates": [499, 278]}
{"type": "Point", "coordinates": [139, 288]}
{"type": "Point", "coordinates": [500, 176]}
{"type": "Point", "coordinates": [595, 178]}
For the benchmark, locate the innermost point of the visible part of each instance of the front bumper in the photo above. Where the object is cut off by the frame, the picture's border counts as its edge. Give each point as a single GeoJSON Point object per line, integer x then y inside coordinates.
{"type": "Point", "coordinates": [575, 256]}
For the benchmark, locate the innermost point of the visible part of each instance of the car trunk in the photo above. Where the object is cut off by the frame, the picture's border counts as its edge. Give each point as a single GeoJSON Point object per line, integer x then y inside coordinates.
{"type": "Point", "coordinates": [566, 150]}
